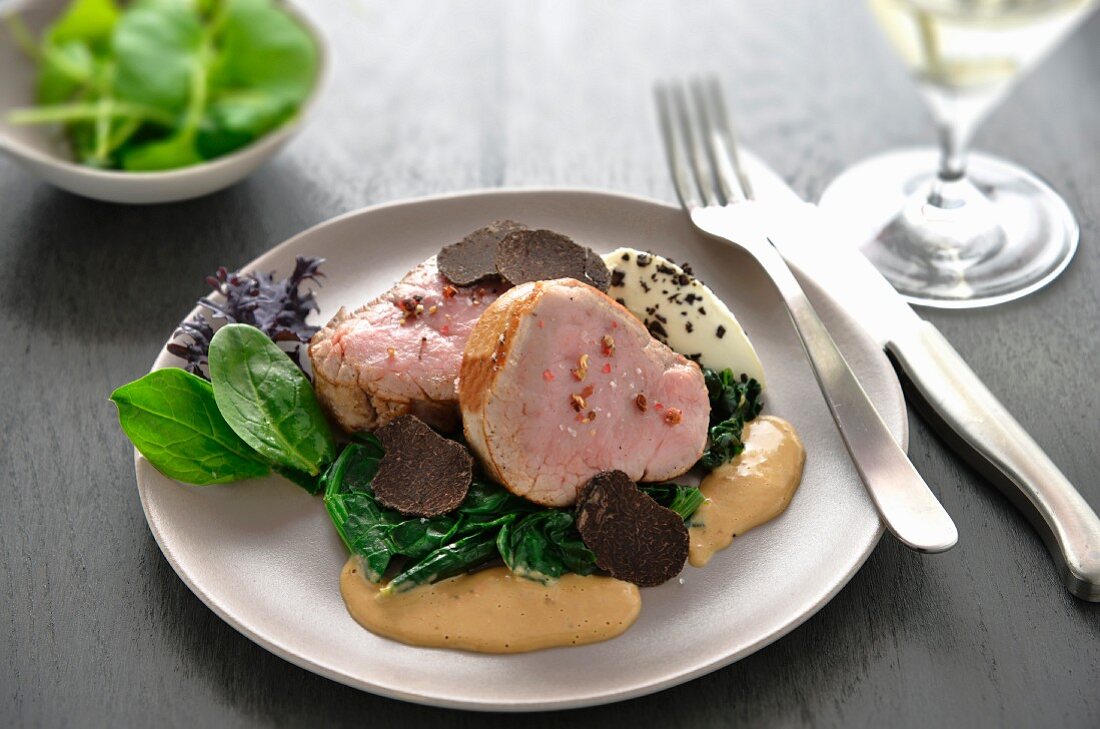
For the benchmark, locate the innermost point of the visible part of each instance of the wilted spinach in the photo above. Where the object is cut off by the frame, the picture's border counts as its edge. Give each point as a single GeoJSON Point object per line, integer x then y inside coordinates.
{"type": "Point", "coordinates": [684, 500]}
{"type": "Point", "coordinates": [267, 400]}
{"type": "Point", "coordinates": [162, 84]}
{"type": "Point", "coordinates": [490, 523]}
{"type": "Point", "coordinates": [545, 545]}
{"type": "Point", "coordinates": [733, 402]}
{"type": "Point", "coordinates": [173, 420]}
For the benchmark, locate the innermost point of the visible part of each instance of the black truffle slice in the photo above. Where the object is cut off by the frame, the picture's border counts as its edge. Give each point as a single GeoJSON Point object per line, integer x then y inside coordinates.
{"type": "Point", "coordinates": [633, 537]}
{"type": "Point", "coordinates": [422, 473]}
{"type": "Point", "coordinates": [540, 255]}
{"type": "Point", "coordinates": [474, 257]}
{"type": "Point", "coordinates": [595, 272]}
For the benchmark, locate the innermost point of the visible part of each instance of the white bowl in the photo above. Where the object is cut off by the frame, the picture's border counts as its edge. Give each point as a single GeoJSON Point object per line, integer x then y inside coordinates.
{"type": "Point", "coordinates": [42, 151]}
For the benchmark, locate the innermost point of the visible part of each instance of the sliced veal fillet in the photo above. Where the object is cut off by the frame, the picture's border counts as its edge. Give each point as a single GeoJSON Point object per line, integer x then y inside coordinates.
{"type": "Point", "coordinates": [400, 353]}
{"type": "Point", "coordinates": [559, 383]}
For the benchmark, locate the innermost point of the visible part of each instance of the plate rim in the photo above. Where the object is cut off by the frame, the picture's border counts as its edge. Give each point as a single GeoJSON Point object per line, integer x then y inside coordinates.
{"type": "Point", "coordinates": [393, 692]}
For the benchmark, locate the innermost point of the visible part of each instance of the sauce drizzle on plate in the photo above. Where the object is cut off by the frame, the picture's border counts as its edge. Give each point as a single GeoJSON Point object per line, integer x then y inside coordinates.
{"type": "Point", "coordinates": [493, 611]}
{"type": "Point", "coordinates": [750, 490]}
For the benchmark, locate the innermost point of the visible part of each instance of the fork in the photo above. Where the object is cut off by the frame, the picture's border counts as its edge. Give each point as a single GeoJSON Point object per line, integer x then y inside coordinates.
{"type": "Point", "coordinates": [718, 196]}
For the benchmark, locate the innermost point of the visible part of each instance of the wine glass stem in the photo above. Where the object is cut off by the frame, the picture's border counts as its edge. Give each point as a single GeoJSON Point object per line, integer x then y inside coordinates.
{"type": "Point", "coordinates": [957, 117]}
{"type": "Point", "coordinates": [954, 145]}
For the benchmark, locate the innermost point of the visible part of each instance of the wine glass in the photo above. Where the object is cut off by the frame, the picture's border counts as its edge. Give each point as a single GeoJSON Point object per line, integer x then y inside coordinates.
{"type": "Point", "coordinates": [948, 228]}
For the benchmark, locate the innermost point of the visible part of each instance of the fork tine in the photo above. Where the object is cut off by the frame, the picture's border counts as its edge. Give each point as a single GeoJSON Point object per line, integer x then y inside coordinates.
{"type": "Point", "coordinates": [715, 142]}
{"type": "Point", "coordinates": [731, 171]}
{"type": "Point", "coordinates": [693, 131]}
{"type": "Point", "coordinates": [676, 150]}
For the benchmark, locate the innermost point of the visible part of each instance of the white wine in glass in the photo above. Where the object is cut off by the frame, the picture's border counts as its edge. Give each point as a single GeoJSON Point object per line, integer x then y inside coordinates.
{"type": "Point", "coordinates": [948, 228]}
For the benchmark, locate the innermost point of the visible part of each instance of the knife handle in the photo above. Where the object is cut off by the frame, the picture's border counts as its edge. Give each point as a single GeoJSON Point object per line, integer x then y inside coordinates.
{"type": "Point", "coordinates": [983, 432]}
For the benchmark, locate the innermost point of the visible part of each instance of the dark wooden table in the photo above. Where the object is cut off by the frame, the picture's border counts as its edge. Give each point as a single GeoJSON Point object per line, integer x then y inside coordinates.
{"type": "Point", "coordinates": [96, 629]}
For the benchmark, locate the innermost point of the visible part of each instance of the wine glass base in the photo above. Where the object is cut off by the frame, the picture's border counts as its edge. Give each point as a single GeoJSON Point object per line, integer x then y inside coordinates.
{"type": "Point", "coordinates": [1036, 233]}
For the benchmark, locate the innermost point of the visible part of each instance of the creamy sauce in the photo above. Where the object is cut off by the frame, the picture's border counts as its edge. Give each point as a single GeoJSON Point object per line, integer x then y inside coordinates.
{"type": "Point", "coordinates": [493, 611]}
{"type": "Point", "coordinates": [748, 491]}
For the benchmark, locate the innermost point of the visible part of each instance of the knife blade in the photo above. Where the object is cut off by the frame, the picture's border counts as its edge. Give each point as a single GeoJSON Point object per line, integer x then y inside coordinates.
{"type": "Point", "coordinates": [939, 383]}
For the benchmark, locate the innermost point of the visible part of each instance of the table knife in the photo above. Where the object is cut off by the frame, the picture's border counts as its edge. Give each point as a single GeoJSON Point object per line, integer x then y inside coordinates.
{"type": "Point", "coordinates": [941, 385]}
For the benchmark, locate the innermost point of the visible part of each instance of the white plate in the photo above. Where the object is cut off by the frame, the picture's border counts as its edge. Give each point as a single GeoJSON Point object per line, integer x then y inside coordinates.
{"type": "Point", "coordinates": [264, 556]}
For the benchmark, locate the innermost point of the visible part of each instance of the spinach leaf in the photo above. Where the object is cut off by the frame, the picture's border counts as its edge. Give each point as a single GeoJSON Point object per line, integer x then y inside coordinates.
{"type": "Point", "coordinates": [88, 21]}
{"type": "Point", "coordinates": [64, 68]}
{"type": "Point", "coordinates": [157, 51]}
{"type": "Point", "coordinates": [684, 500]}
{"type": "Point", "coordinates": [178, 150]}
{"type": "Point", "coordinates": [358, 518]}
{"type": "Point", "coordinates": [265, 67]}
{"type": "Point", "coordinates": [368, 529]}
{"type": "Point", "coordinates": [164, 84]}
{"type": "Point", "coordinates": [172, 419]}
{"type": "Point", "coordinates": [447, 561]}
{"type": "Point", "coordinates": [263, 49]}
{"type": "Point", "coordinates": [235, 119]}
{"type": "Point", "coordinates": [268, 401]}
{"type": "Point", "coordinates": [491, 522]}
{"type": "Point", "coordinates": [545, 545]}
{"type": "Point", "coordinates": [733, 402]}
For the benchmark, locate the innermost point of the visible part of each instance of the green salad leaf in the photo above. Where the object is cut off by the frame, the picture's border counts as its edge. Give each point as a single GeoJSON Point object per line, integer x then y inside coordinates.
{"type": "Point", "coordinates": [158, 47]}
{"type": "Point", "coordinates": [235, 118]}
{"type": "Point", "coordinates": [64, 68]}
{"type": "Point", "coordinates": [268, 401]}
{"type": "Point", "coordinates": [263, 49]}
{"type": "Point", "coordinates": [88, 21]}
{"type": "Point", "coordinates": [733, 402]}
{"type": "Point", "coordinates": [162, 84]}
{"type": "Point", "coordinates": [172, 419]}
{"type": "Point", "coordinates": [179, 150]}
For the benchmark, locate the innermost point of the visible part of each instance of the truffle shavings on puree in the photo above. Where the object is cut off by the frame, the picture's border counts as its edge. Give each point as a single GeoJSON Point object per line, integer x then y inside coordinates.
{"type": "Point", "coordinates": [494, 611]}
{"type": "Point", "coordinates": [681, 311]}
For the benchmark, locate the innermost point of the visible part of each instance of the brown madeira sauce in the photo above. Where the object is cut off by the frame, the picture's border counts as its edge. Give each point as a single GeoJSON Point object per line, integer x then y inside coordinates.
{"type": "Point", "coordinates": [494, 611]}
{"type": "Point", "coordinates": [750, 490]}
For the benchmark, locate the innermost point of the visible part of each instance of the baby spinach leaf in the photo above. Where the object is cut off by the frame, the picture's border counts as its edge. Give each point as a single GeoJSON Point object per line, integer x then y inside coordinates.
{"type": "Point", "coordinates": [545, 545]}
{"type": "Point", "coordinates": [64, 67]}
{"type": "Point", "coordinates": [172, 419]}
{"type": "Point", "coordinates": [209, 77]}
{"type": "Point", "coordinates": [89, 21]}
{"type": "Point", "coordinates": [157, 46]}
{"type": "Point", "coordinates": [178, 150]}
{"type": "Point", "coordinates": [263, 49]}
{"type": "Point", "coordinates": [235, 119]}
{"type": "Point", "coordinates": [265, 66]}
{"type": "Point", "coordinates": [268, 401]}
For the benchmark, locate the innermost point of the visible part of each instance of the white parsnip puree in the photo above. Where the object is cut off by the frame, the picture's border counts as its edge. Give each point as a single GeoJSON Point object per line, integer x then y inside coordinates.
{"type": "Point", "coordinates": [494, 611]}
{"type": "Point", "coordinates": [751, 489]}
